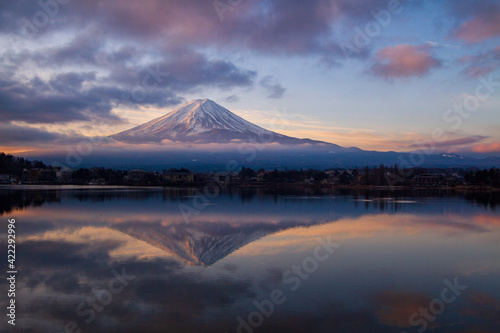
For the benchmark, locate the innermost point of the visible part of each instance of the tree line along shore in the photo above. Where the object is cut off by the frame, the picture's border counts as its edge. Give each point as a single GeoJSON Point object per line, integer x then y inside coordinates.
{"type": "Point", "coordinates": [18, 170]}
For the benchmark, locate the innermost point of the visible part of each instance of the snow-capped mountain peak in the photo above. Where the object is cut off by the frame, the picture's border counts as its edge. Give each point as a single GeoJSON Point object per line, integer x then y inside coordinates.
{"type": "Point", "coordinates": [202, 116]}
{"type": "Point", "coordinates": [203, 121]}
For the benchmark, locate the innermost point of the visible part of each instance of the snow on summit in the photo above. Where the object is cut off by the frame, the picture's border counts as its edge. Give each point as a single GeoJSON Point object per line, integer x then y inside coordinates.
{"type": "Point", "coordinates": [202, 121]}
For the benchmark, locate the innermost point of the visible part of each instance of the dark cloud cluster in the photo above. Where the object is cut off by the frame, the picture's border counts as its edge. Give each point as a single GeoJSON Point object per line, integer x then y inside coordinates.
{"type": "Point", "coordinates": [118, 39]}
{"type": "Point", "coordinates": [480, 64]}
{"type": "Point", "coordinates": [115, 43]}
{"type": "Point", "coordinates": [16, 135]}
{"type": "Point", "coordinates": [232, 99]}
{"type": "Point", "coordinates": [275, 90]}
{"type": "Point", "coordinates": [10, 133]}
{"type": "Point", "coordinates": [271, 26]}
{"type": "Point", "coordinates": [38, 101]}
{"type": "Point", "coordinates": [73, 96]}
{"type": "Point", "coordinates": [109, 62]}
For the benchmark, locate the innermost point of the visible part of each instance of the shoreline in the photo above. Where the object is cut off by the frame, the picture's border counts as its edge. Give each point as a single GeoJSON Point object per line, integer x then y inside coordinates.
{"type": "Point", "coordinates": [467, 188]}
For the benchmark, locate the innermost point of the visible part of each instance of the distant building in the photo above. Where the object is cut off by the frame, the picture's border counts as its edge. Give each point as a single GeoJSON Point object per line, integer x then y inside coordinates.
{"type": "Point", "coordinates": [66, 175]}
{"type": "Point", "coordinates": [260, 176]}
{"type": "Point", "coordinates": [47, 175]}
{"type": "Point", "coordinates": [58, 171]}
{"type": "Point", "coordinates": [309, 180]}
{"type": "Point", "coordinates": [32, 175]}
{"type": "Point", "coordinates": [5, 178]}
{"type": "Point", "coordinates": [136, 175]}
{"type": "Point", "coordinates": [429, 180]}
{"type": "Point", "coordinates": [178, 176]}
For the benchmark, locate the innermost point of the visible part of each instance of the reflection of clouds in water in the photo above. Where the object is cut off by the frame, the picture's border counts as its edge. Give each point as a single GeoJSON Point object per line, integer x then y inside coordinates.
{"type": "Point", "coordinates": [57, 276]}
{"type": "Point", "coordinates": [394, 308]}
{"type": "Point", "coordinates": [476, 312]}
{"type": "Point", "coordinates": [488, 220]}
{"type": "Point", "coordinates": [128, 246]}
{"type": "Point", "coordinates": [368, 226]}
{"type": "Point", "coordinates": [163, 295]}
{"type": "Point", "coordinates": [209, 241]}
{"type": "Point", "coordinates": [68, 250]}
{"type": "Point", "coordinates": [483, 307]}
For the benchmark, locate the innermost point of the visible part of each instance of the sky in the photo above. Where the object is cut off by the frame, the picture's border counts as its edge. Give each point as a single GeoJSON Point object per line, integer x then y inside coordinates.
{"type": "Point", "coordinates": [383, 75]}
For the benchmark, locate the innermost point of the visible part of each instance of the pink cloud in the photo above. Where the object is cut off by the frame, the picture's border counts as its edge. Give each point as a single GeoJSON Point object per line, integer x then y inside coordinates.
{"type": "Point", "coordinates": [403, 61]}
{"type": "Point", "coordinates": [269, 26]}
{"type": "Point", "coordinates": [487, 148]}
{"type": "Point", "coordinates": [479, 28]}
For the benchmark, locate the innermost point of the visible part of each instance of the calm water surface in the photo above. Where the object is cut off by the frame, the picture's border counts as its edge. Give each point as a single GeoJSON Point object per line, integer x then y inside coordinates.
{"type": "Point", "coordinates": [104, 259]}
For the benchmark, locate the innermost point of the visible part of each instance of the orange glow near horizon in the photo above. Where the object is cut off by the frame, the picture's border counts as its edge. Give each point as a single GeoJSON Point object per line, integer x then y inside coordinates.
{"type": "Point", "coordinates": [294, 125]}
{"type": "Point", "coordinates": [16, 150]}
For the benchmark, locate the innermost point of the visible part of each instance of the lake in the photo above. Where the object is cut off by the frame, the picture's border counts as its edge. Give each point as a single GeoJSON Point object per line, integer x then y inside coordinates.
{"type": "Point", "coordinates": [122, 259]}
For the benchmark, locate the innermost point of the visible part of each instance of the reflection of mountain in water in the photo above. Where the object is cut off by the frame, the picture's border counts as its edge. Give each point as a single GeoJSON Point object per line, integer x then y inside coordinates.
{"type": "Point", "coordinates": [199, 244]}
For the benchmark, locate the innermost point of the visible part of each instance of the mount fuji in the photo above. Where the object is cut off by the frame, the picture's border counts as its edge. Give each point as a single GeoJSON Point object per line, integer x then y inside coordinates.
{"type": "Point", "coordinates": [204, 121]}
{"type": "Point", "coordinates": [197, 244]}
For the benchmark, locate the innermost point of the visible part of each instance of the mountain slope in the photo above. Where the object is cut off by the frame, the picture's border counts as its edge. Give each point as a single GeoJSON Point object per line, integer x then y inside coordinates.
{"type": "Point", "coordinates": [204, 121]}
{"type": "Point", "coordinates": [196, 245]}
